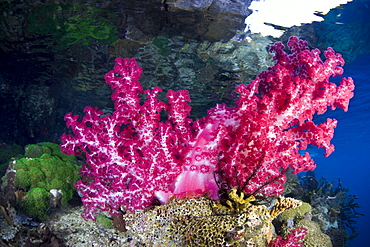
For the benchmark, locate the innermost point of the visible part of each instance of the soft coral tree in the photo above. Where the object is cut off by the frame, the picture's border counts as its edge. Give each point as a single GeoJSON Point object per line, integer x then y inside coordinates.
{"type": "Point", "coordinates": [273, 118]}
{"type": "Point", "coordinates": [131, 153]}
{"type": "Point", "coordinates": [133, 157]}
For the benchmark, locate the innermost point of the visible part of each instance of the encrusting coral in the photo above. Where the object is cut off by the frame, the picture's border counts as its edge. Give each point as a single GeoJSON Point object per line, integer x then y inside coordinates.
{"type": "Point", "coordinates": [298, 212]}
{"type": "Point", "coordinates": [315, 237]}
{"type": "Point", "coordinates": [203, 222]}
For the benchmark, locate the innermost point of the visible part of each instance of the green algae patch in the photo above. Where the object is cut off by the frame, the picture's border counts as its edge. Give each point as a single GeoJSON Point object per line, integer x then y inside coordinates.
{"type": "Point", "coordinates": [47, 172]}
{"type": "Point", "coordinates": [35, 203]}
{"type": "Point", "coordinates": [44, 173]}
{"type": "Point", "coordinates": [37, 150]}
{"type": "Point", "coordinates": [69, 24]}
{"type": "Point", "coordinates": [161, 42]}
{"type": "Point", "coordinates": [104, 222]}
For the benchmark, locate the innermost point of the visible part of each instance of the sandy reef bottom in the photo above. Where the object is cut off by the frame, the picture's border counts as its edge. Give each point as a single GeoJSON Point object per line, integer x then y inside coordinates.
{"type": "Point", "coordinates": [67, 224]}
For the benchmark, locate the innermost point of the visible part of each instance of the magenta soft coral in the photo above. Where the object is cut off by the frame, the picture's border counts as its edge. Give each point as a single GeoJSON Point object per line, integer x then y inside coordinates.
{"type": "Point", "coordinates": [273, 118]}
{"type": "Point", "coordinates": [133, 157]}
{"type": "Point", "coordinates": [131, 153]}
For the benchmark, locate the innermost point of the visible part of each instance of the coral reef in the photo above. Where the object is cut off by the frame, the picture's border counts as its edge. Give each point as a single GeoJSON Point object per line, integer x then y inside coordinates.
{"type": "Point", "coordinates": [333, 206]}
{"type": "Point", "coordinates": [327, 204]}
{"type": "Point", "coordinates": [238, 155]}
{"type": "Point", "coordinates": [301, 218]}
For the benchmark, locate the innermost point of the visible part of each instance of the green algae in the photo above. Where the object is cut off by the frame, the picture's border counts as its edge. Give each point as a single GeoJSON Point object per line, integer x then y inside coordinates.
{"type": "Point", "coordinates": [44, 168]}
{"type": "Point", "coordinates": [69, 24]}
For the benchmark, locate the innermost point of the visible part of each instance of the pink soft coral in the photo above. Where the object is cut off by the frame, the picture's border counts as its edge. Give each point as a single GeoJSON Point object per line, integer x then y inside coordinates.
{"type": "Point", "coordinates": [133, 157]}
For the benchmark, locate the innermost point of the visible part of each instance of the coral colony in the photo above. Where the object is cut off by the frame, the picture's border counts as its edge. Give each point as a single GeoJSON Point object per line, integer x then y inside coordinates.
{"type": "Point", "coordinates": [133, 157]}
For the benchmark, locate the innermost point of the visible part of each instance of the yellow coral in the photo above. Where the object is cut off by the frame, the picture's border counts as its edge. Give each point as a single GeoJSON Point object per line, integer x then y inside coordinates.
{"type": "Point", "coordinates": [283, 204]}
{"type": "Point", "coordinates": [236, 203]}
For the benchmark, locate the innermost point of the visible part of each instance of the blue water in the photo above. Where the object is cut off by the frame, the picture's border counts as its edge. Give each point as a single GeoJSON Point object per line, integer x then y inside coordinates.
{"type": "Point", "coordinates": [351, 159]}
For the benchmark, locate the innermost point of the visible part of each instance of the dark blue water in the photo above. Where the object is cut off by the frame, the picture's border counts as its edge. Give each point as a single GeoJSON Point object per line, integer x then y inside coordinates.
{"type": "Point", "coordinates": [351, 159]}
